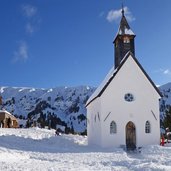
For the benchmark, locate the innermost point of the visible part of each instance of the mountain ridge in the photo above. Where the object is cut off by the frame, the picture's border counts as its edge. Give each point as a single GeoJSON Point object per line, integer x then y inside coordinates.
{"type": "Point", "coordinates": [62, 106]}
{"type": "Point", "coordinates": [65, 105]}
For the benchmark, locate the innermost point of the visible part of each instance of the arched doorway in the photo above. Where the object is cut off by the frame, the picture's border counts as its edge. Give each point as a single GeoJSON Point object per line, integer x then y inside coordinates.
{"type": "Point", "coordinates": [130, 136]}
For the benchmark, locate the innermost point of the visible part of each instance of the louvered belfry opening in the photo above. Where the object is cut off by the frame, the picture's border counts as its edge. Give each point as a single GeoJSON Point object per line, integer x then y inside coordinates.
{"type": "Point", "coordinates": [124, 41]}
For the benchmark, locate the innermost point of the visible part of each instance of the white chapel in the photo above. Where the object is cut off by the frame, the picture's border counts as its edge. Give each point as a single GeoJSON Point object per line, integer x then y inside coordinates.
{"type": "Point", "coordinates": [124, 109]}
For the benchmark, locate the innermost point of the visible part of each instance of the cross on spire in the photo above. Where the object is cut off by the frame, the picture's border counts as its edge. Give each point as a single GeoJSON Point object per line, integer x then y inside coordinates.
{"type": "Point", "coordinates": [122, 9]}
{"type": "Point", "coordinates": [124, 40]}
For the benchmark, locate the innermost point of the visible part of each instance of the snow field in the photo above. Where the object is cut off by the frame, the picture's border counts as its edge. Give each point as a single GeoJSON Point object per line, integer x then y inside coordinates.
{"type": "Point", "coordinates": [39, 149]}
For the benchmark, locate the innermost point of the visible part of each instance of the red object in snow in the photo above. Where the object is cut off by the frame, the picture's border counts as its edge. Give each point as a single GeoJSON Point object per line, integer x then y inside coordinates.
{"type": "Point", "coordinates": [162, 141]}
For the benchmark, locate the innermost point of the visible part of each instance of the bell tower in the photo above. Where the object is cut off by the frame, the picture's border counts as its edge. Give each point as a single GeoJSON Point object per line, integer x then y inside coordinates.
{"type": "Point", "coordinates": [124, 40]}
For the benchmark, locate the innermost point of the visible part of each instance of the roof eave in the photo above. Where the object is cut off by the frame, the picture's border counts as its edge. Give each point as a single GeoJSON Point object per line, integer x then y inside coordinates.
{"type": "Point", "coordinates": [106, 85]}
{"type": "Point", "coordinates": [119, 67]}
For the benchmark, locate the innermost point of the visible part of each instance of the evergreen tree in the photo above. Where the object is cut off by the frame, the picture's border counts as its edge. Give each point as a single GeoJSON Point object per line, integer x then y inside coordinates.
{"type": "Point", "coordinates": [72, 130]}
{"type": "Point", "coordinates": [167, 119]}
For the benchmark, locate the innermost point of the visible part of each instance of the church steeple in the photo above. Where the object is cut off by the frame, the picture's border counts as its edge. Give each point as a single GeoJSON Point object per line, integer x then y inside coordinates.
{"type": "Point", "coordinates": [124, 40]}
{"type": "Point", "coordinates": [122, 10]}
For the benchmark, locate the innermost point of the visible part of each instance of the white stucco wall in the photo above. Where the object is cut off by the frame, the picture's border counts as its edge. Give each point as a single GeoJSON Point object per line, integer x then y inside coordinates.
{"type": "Point", "coordinates": [93, 122]}
{"type": "Point", "coordinates": [129, 79]}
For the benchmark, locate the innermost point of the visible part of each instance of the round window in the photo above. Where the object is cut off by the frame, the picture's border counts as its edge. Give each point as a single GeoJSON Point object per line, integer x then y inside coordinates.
{"type": "Point", "coordinates": [129, 97]}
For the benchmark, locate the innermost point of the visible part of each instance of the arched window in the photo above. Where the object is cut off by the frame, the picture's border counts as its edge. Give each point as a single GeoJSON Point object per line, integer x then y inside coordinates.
{"type": "Point", "coordinates": [112, 127]}
{"type": "Point", "coordinates": [147, 127]}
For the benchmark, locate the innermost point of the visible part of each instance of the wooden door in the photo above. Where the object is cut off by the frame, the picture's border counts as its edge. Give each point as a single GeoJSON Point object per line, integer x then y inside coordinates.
{"type": "Point", "coordinates": [130, 136]}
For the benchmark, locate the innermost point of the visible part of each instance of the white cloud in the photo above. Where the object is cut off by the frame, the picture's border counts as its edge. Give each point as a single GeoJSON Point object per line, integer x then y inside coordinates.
{"type": "Point", "coordinates": [114, 15]}
{"type": "Point", "coordinates": [167, 72]}
{"type": "Point", "coordinates": [22, 52]}
{"type": "Point", "coordinates": [32, 18]}
{"type": "Point", "coordinates": [163, 71]}
{"type": "Point", "coordinates": [29, 10]}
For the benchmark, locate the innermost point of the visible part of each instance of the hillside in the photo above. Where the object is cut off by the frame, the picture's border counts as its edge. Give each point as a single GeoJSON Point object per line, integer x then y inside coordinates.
{"type": "Point", "coordinates": [62, 106]}
{"type": "Point", "coordinates": [165, 106]}
{"type": "Point", "coordinates": [166, 92]}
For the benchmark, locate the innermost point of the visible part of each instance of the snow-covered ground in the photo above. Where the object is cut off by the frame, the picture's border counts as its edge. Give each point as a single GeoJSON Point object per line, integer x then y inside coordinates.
{"type": "Point", "coordinates": [39, 149]}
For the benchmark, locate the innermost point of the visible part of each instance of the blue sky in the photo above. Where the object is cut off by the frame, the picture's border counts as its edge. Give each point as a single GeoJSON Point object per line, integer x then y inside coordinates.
{"type": "Point", "coordinates": [51, 43]}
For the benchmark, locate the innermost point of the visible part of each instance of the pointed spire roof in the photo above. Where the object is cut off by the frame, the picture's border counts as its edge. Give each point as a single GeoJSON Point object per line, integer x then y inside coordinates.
{"type": "Point", "coordinates": [124, 28]}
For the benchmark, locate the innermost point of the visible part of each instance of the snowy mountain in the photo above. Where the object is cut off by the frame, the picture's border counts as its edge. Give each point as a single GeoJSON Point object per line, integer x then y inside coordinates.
{"type": "Point", "coordinates": [62, 106]}
{"type": "Point", "coordinates": [165, 102]}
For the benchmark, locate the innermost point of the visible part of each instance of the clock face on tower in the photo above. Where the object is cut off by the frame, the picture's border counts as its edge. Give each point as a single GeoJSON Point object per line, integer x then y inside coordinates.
{"type": "Point", "coordinates": [129, 97]}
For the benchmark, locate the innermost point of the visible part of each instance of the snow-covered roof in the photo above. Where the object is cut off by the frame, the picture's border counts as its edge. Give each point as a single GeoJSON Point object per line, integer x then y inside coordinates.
{"type": "Point", "coordinates": [124, 28]}
{"type": "Point", "coordinates": [4, 111]}
{"type": "Point", "coordinates": [126, 31]}
{"type": "Point", "coordinates": [104, 82]}
{"type": "Point", "coordinates": [98, 92]}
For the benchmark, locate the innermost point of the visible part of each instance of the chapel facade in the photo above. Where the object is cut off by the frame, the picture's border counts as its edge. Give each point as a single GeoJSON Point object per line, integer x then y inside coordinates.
{"type": "Point", "coordinates": [124, 109]}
